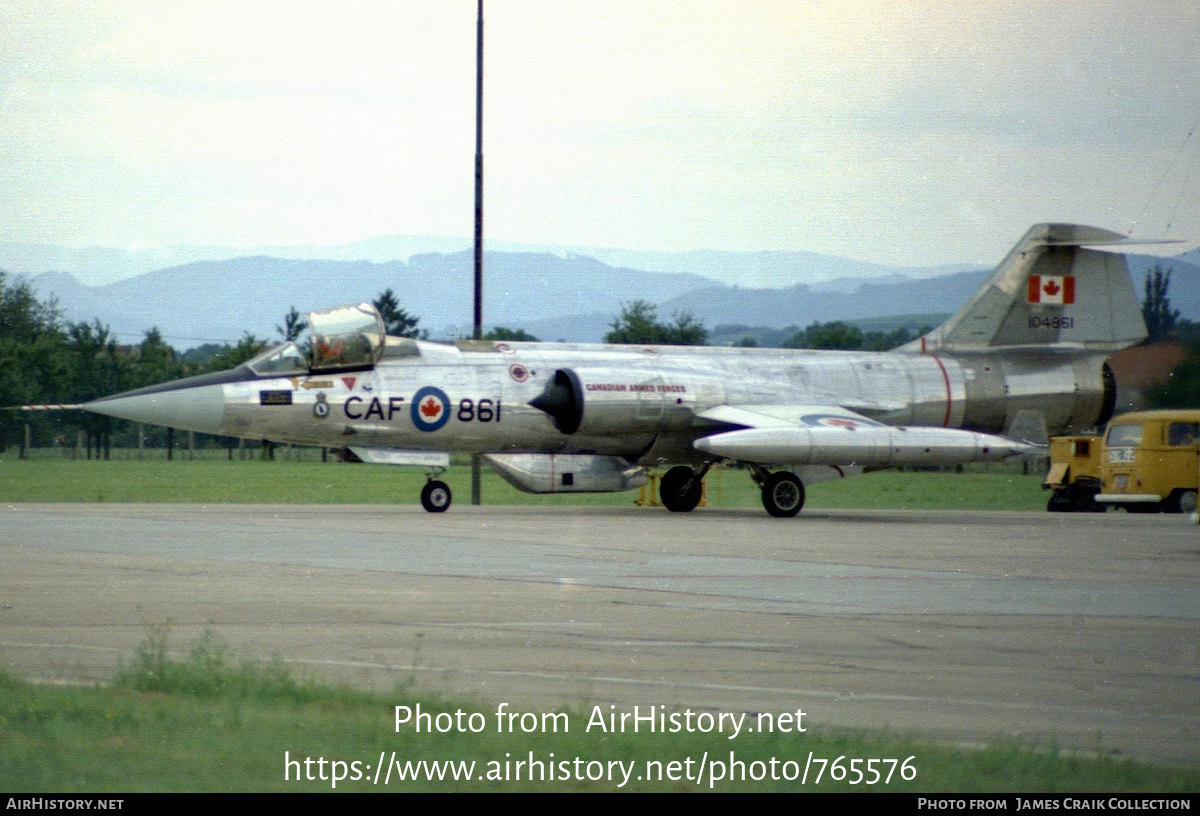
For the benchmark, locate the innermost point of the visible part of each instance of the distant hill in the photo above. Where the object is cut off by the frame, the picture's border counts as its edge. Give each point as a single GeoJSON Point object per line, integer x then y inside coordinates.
{"type": "Point", "coordinates": [770, 269]}
{"type": "Point", "coordinates": [802, 305]}
{"type": "Point", "coordinates": [103, 265]}
{"type": "Point", "coordinates": [553, 296]}
{"type": "Point", "coordinates": [217, 301]}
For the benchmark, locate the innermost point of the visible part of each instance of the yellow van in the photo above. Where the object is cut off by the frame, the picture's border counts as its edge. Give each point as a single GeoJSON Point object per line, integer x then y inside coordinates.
{"type": "Point", "coordinates": [1147, 462]}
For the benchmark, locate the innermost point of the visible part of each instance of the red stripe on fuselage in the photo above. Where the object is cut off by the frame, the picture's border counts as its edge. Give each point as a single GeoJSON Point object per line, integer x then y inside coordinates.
{"type": "Point", "coordinates": [946, 380]}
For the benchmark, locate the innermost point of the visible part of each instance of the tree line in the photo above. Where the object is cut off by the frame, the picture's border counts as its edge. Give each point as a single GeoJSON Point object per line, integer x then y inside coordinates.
{"type": "Point", "coordinates": [45, 359]}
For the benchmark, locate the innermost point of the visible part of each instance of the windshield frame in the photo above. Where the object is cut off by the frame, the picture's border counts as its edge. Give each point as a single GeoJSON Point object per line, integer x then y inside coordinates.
{"type": "Point", "coordinates": [279, 361]}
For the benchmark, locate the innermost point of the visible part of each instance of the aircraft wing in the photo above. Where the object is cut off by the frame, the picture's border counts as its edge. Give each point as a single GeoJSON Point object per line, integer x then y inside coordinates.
{"type": "Point", "coordinates": [831, 435]}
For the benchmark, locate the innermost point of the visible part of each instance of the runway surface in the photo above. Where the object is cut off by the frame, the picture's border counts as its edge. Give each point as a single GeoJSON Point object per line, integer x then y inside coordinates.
{"type": "Point", "coordinates": [1081, 630]}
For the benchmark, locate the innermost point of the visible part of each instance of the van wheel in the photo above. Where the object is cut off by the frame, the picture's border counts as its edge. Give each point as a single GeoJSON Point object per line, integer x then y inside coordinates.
{"type": "Point", "coordinates": [1181, 501]}
{"type": "Point", "coordinates": [1084, 499]}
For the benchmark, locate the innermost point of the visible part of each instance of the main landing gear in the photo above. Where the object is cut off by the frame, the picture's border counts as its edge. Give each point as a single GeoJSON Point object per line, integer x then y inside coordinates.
{"type": "Point", "coordinates": [435, 496]}
{"type": "Point", "coordinates": [782, 491]}
{"type": "Point", "coordinates": [681, 487]}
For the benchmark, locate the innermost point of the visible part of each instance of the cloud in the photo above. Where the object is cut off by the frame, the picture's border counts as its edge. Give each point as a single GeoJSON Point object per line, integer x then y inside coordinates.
{"type": "Point", "coordinates": [863, 128]}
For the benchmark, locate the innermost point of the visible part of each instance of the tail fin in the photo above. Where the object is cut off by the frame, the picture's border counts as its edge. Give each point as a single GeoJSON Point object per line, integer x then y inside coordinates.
{"type": "Point", "coordinates": [1049, 291]}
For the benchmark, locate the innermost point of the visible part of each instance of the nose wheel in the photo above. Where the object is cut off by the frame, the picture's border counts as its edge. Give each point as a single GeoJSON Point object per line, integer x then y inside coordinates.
{"type": "Point", "coordinates": [435, 496]}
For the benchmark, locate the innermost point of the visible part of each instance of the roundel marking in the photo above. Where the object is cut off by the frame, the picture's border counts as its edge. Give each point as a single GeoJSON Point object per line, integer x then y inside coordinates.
{"type": "Point", "coordinates": [836, 421]}
{"type": "Point", "coordinates": [518, 372]}
{"type": "Point", "coordinates": [430, 408]}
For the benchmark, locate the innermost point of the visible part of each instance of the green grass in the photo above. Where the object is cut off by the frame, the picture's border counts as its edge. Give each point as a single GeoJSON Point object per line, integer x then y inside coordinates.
{"type": "Point", "coordinates": [202, 723]}
{"type": "Point", "coordinates": [216, 480]}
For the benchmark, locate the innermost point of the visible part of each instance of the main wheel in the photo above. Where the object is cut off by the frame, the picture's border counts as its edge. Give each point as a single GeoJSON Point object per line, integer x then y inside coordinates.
{"type": "Point", "coordinates": [783, 494]}
{"type": "Point", "coordinates": [680, 489]}
{"type": "Point", "coordinates": [435, 496]}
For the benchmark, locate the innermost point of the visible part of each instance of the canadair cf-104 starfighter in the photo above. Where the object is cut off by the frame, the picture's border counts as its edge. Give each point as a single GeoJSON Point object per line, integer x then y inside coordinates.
{"type": "Point", "coordinates": [1024, 358]}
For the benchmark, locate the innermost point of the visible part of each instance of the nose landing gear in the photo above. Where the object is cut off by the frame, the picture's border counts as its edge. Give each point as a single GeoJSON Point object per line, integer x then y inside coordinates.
{"type": "Point", "coordinates": [435, 496]}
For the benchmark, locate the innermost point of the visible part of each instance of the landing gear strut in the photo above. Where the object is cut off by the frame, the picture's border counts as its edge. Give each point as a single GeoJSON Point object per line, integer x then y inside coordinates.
{"type": "Point", "coordinates": [435, 496]}
{"type": "Point", "coordinates": [782, 491]}
{"type": "Point", "coordinates": [681, 487]}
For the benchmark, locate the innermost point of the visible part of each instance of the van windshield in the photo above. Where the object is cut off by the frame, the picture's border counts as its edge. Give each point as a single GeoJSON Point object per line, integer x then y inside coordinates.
{"type": "Point", "coordinates": [1124, 436]}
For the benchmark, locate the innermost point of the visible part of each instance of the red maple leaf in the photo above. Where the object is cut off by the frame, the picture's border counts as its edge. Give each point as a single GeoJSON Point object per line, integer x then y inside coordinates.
{"type": "Point", "coordinates": [431, 407]}
{"type": "Point", "coordinates": [1051, 288]}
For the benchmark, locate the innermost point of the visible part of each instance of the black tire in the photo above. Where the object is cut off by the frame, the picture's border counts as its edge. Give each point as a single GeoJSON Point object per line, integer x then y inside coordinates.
{"type": "Point", "coordinates": [680, 489]}
{"type": "Point", "coordinates": [1087, 503]}
{"type": "Point", "coordinates": [783, 494]}
{"type": "Point", "coordinates": [436, 496]}
{"type": "Point", "coordinates": [1180, 501]}
{"type": "Point", "coordinates": [1079, 497]}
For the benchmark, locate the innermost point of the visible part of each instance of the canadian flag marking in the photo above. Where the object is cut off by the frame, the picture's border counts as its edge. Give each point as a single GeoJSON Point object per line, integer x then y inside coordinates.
{"type": "Point", "coordinates": [1054, 290]}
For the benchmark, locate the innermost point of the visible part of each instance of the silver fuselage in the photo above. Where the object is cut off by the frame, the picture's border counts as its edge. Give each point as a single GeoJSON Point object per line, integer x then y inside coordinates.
{"type": "Point", "coordinates": [642, 403]}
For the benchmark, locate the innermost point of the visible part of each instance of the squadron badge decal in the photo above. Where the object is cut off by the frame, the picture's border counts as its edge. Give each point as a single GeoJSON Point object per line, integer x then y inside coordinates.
{"type": "Point", "coordinates": [321, 406]}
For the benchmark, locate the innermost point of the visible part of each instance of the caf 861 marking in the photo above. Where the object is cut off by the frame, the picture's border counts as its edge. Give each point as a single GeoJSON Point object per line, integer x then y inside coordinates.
{"type": "Point", "coordinates": [1024, 358]}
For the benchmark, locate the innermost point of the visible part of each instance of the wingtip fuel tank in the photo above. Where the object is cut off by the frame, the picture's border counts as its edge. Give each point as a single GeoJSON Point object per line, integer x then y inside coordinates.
{"type": "Point", "coordinates": [872, 446]}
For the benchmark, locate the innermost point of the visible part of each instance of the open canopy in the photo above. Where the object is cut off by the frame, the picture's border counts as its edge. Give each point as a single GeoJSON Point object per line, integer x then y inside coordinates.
{"type": "Point", "coordinates": [346, 337]}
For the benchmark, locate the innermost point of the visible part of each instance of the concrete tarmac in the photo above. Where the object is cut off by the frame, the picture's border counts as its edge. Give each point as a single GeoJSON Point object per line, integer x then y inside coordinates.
{"type": "Point", "coordinates": [1076, 630]}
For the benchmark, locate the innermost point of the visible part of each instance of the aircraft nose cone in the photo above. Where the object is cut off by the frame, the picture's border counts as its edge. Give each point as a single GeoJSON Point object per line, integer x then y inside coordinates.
{"type": "Point", "coordinates": [200, 408]}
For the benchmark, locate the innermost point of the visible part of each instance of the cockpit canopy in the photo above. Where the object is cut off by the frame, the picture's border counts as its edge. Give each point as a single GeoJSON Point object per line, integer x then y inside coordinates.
{"type": "Point", "coordinates": [343, 338]}
{"type": "Point", "coordinates": [346, 337]}
{"type": "Point", "coordinates": [279, 361]}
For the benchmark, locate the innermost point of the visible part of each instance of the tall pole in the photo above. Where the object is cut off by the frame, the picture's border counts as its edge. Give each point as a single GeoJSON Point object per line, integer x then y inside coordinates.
{"type": "Point", "coordinates": [476, 494]}
{"type": "Point", "coordinates": [479, 174]}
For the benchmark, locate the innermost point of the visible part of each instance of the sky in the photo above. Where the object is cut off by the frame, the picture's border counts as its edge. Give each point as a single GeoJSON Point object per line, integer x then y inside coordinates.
{"type": "Point", "coordinates": [908, 133]}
